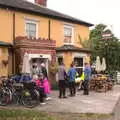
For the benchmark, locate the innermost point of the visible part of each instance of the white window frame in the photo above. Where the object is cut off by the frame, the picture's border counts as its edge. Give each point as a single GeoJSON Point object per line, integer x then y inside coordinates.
{"type": "Point", "coordinates": [72, 38]}
{"type": "Point", "coordinates": [79, 55]}
{"type": "Point", "coordinates": [32, 22]}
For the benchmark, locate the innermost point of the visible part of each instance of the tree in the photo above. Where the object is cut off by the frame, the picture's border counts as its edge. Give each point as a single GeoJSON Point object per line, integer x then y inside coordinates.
{"type": "Point", "coordinates": [107, 47]}
{"type": "Point", "coordinates": [85, 43]}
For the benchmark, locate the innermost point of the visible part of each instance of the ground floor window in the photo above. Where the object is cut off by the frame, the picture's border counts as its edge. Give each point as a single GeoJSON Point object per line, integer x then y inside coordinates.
{"type": "Point", "coordinates": [60, 60]}
{"type": "Point", "coordinates": [79, 64]}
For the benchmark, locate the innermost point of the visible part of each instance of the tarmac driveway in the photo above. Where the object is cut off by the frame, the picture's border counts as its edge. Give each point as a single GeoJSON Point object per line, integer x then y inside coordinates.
{"type": "Point", "coordinates": [93, 103]}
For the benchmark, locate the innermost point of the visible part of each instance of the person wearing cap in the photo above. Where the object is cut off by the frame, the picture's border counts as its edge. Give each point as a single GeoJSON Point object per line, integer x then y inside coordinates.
{"type": "Point", "coordinates": [87, 75]}
{"type": "Point", "coordinates": [72, 75]}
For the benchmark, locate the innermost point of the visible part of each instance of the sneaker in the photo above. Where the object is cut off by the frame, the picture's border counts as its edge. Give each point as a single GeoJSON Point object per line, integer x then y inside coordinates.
{"type": "Point", "coordinates": [43, 103]}
{"type": "Point", "coordinates": [71, 95]}
{"type": "Point", "coordinates": [48, 98]}
{"type": "Point", "coordinates": [64, 97]}
{"type": "Point", "coordinates": [60, 97]}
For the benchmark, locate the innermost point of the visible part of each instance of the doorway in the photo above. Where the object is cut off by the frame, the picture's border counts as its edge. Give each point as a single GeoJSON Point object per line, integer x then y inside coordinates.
{"type": "Point", "coordinates": [39, 61]}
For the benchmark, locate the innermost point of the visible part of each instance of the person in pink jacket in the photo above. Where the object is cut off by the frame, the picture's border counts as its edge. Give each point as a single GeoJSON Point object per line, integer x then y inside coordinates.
{"type": "Point", "coordinates": [44, 83]}
{"type": "Point", "coordinates": [46, 86]}
{"type": "Point", "coordinates": [40, 88]}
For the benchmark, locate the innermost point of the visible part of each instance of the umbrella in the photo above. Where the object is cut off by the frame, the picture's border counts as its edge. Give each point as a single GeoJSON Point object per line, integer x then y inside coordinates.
{"type": "Point", "coordinates": [98, 64]}
{"type": "Point", "coordinates": [26, 64]}
{"type": "Point", "coordinates": [103, 67]}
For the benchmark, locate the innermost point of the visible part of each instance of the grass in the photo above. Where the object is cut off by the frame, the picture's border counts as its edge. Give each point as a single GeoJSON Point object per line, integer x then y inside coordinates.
{"type": "Point", "coordinates": [86, 116]}
{"type": "Point", "coordinates": [15, 114]}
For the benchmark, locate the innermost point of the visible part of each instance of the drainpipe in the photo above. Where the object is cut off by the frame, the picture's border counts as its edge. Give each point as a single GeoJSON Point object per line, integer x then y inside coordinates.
{"type": "Point", "coordinates": [49, 29]}
{"type": "Point", "coordinates": [13, 53]}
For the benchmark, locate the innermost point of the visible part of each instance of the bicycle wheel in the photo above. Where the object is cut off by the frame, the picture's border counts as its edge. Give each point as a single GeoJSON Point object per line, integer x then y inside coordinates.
{"type": "Point", "coordinates": [5, 97]}
{"type": "Point", "coordinates": [16, 99]}
{"type": "Point", "coordinates": [29, 99]}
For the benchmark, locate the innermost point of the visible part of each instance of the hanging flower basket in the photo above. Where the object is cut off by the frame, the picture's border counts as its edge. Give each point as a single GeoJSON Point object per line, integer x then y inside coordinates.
{"type": "Point", "coordinates": [5, 62]}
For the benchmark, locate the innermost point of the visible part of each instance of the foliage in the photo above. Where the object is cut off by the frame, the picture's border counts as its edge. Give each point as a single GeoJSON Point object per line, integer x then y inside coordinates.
{"type": "Point", "coordinates": [85, 43]}
{"type": "Point", "coordinates": [108, 48]}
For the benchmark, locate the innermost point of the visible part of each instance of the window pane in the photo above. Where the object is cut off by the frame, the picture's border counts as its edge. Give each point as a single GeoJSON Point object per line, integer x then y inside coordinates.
{"type": "Point", "coordinates": [27, 26]}
{"type": "Point", "coordinates": [32, 34]}
{"type": "Point", "coordinates": [31, 29]}
{"type": "Point", "coordinates": [78, 62]}
{"type": "Point", "coordinates": [67, 39]}
{"type": "Point", "coordinates": [67, 34]}
{"type": "Point", "coordinates": [67, 31]}
{"type": "Point", "coordinates": [60, 60]}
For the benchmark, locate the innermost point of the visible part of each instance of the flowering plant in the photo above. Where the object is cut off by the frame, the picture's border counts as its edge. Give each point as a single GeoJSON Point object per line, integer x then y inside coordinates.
{"type": "Point", "coordinates": [53, 68]}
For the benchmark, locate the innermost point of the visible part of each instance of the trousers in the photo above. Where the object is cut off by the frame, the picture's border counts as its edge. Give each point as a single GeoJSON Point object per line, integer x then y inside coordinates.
{"type": "Point", "coordinates": [62, 88]}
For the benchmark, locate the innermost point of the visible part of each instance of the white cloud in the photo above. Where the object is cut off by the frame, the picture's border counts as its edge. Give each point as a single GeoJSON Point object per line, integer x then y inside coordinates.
{"type": "Point", "coordinates": [94, 11]}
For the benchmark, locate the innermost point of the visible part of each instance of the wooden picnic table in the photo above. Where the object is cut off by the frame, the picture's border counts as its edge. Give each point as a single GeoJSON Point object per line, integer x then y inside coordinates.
{"type": "Point", "coordinates": [100, 84]}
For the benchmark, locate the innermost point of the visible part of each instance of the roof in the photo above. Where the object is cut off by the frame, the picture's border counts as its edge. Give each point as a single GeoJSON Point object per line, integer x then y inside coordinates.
{"type": "Point", "coordinates": [4, 43]}
{"type": "Point", "coordinates": [25, 6]}
{"type": "Point", "coordinates": [72, 48]}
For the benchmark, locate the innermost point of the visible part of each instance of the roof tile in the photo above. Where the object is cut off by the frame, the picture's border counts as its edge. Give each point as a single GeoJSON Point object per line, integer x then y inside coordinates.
{"type": "Point", "coordinates": [34, 8]}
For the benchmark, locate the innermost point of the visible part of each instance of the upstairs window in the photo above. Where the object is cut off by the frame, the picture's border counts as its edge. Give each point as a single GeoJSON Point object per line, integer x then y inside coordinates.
{"type": "Point", "coordinates": [31, 29]}
{"type": "Point", "coordinates": [68, 34]}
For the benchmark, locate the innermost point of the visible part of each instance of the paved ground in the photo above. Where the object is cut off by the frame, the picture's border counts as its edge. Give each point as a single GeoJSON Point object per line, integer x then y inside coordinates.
{"type": "Point", "coordinates": [94, 103]}
{"type": "Point", "coordinates": [116, 115]}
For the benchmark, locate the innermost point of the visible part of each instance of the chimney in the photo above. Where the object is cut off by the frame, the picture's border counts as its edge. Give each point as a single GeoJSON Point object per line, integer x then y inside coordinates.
{"type": "Point", "coordinates": [41, 2]}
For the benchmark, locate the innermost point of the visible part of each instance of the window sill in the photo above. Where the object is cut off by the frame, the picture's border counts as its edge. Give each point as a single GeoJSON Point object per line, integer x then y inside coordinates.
{"type": "Point", "coordinates": [68, 44]}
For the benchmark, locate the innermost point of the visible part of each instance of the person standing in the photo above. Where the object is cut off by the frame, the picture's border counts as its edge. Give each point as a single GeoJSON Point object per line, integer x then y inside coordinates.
{"type": "Point", "coordinates": [35, 71]}
{"type": "Point", "coordinates": [72, 75]}
{"type": "Point", "coordinates": [61, 80]}
{"type": "Point", "coordinates": [82, 77]}
{"type": "Point", "coordinates": [44, 70]}
{"type": "Point", "coordinates": [87, 73]}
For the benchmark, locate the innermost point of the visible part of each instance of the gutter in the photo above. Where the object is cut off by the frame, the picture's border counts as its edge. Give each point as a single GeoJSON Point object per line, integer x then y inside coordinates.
{"type": "Point", "coordinates": [13, 52]}
{"type": "Point", "coordinates": [49, 29]}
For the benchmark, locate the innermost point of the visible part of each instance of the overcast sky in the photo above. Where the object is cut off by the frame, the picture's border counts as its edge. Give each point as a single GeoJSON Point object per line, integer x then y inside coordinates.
{"type": "Point", "coordinates": [93, 11]}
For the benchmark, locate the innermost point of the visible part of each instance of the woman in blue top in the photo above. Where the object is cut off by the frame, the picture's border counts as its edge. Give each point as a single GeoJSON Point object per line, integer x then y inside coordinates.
{"type": "Point", "coordinates": [72, 76]}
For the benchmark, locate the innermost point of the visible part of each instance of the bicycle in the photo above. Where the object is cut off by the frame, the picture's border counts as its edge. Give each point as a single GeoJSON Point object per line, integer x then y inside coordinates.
{"type": "Point", "coordinates": [5, 92]}
{"type": "Point", "coordinates": [18, 93]}
{"type": "Point", "coordinates": [26, 94]}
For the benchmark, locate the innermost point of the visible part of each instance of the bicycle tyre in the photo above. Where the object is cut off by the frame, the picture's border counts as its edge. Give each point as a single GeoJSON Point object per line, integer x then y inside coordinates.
{"type": "Point", "coordinates": [5, 97]}
{"type": "Point", "coordinates": [30, 101]}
